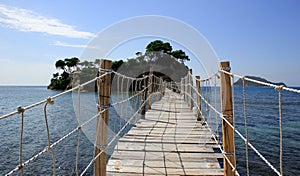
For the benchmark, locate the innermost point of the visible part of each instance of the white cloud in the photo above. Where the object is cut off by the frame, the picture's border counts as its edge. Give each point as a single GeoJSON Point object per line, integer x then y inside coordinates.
{"type": "Point", "coordinates": [59, 43]}
{"type": "Point", "coordinates": [29, 21]}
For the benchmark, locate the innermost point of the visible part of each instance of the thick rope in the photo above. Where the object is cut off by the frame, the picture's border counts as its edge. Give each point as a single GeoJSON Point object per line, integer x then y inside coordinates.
{"type": "Point", "coordinates": [246, 127]}
{"type": "Point", "coordinates": [79, 132]}
{"type": "Point", "coordinates": [53, 97]}
{"type": "Point", "coordinates": [233, 116]}
{"type": "Point", "coordinates": [111, 142]}
{"type": "Point", "coordinates": [217, 142]}
{"type": "Point", "coordinates": [279, 89]}
{"type": "Point", "coordinates": [239, 134]}
{"type": "Point", "coordinates": [260, 82]}
{"type": "Point", "coordinates": [21, 111]}
{"type": "Point", "coordinates": [49, 101]}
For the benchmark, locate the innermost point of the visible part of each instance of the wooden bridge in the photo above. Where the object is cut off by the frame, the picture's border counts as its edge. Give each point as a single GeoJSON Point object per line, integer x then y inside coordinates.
{"type": "Point", "coordinates": [168, 141]}
{"type": "Point", "coordinates": [171, 139]}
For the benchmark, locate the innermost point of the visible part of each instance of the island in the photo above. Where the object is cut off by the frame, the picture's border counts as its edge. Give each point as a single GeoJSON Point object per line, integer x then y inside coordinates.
{"type": "Point", "coordinates": [253, 84]}
{"type": "Point", "coordinates": [168, 63]}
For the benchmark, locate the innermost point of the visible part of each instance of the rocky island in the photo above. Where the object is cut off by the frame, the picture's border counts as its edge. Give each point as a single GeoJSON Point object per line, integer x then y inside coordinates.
{"type": "Point", "coordinates": [252, 84]}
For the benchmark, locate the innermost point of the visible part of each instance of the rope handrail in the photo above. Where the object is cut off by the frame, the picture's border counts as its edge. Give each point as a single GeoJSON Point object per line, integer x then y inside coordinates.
{"type": "Point", "coordinates": [203, 80]}
{"type": "Point", "coordinates": [50, 100]}
{"type": "Point", "coordinates": [217, 142]}
{"type": "Point", "coordinates": [46, 149]}
{"type": "Point", "coordinates": [261, 82]}
{"type": "Point", "coordinates": [188, 91]}
{"type": "Point", "coordinates": [53, 97]}
{"type": "Point", "coordinates": [235, 130]}
{"type": "Point", "coordinates": [131, 97]}
{"type": "Point", "coordinates": [128, 77]}
{"type": "Point", "coordinates": [114, 138]}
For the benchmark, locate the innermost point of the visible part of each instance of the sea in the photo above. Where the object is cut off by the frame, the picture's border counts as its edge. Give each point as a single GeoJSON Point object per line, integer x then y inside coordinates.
{"type": "Point", "coordinates": [262, 113]}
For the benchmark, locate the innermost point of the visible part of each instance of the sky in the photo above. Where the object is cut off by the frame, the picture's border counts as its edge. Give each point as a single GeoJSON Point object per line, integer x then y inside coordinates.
{"type": "Point", "coordinates": [258, 37]}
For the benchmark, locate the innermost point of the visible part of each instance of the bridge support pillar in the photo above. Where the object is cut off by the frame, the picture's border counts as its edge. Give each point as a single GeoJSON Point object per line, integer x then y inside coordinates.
{"type": "Point", "coordinates": [104, 88]}
{"type": "Point", "coordinates": [150, 84]}
{"type": "Point", "coordinates": [191, 88]}
{"type": "Point", "coordinates": [199, 100]}
{"type": "Point", "coordinates": [227, 111]}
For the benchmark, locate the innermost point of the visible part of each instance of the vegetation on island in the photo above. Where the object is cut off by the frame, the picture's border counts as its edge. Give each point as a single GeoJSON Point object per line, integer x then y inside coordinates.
{"type": "Point", "coordinates": [253, 84]}
{"type": "Point", "coordinates": [168, 64]}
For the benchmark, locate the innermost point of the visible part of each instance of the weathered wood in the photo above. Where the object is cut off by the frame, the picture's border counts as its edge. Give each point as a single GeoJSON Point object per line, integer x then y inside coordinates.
{"type": "Point", "coordinates": [104, 88]}
{"type": "Point", "coordinates": [169, 141]}
{"type": "Point", "coordinates": [227, 131]}
{"type": "Point", "coordinates": [199, 100]}
{"type": "Point", "coordinates": [144, 95]}
{"type": "Point", "coordinates": [150, 84]}
{"type": "Point", "coordinates": [191, 89]}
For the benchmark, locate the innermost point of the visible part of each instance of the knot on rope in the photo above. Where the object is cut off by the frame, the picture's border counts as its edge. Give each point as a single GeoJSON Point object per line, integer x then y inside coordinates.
{"type": "Point", "coordinates": [105, 70]}
{"type": "Point", "coordinates": [20, 110]}
{"type": "Point", "coordinates": [20, 166]}
{"type": "Point", "coordinates": [102, 147]}
{"type": "Point", "coordinates": [104, 106]}
{"type": "Point", "coordinates": [100, 79]}
{"type": "Point", "coordinates": [226, 69]}
{"type": "Point", "coordinates": [50, 101]}
{"type": "Point", "coordinates": [279, 88]}
{"type": "Point", "coordinates": [226, 116]}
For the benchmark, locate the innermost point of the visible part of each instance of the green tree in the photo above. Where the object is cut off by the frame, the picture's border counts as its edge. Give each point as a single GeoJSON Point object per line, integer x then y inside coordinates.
{"type": "Point", "coordinates": [180, 55]}
{"type": "Point", "coordinates": [159, 46]}
{"type": "Point", "coordinates": [60, 64]}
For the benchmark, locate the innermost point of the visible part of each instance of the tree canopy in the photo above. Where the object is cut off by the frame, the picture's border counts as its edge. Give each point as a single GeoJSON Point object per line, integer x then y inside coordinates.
{"type": "Point", "coordinates": [158, 53]}
{"type": "Point", "coordinates": [164, 47]}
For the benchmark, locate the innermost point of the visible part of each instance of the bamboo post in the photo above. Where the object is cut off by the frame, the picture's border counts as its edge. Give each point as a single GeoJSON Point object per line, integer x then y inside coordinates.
{"type": "Point", "coordinates": [150, 86]}
{"type": "Point", "coordinates": [227, 131]}
{"type": "Point", "coordinates": [191, 89]}
{"type": "Point", "coordinates": [144, 94]}
{"type": "Point", "coordinates": [104, 88]}
{"type": "Point", "coordinates": [199, 100]}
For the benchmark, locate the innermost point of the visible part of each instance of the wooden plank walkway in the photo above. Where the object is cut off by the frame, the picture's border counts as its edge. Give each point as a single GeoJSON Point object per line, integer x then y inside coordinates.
{"type": "Point", "coordinates": [169, 141]}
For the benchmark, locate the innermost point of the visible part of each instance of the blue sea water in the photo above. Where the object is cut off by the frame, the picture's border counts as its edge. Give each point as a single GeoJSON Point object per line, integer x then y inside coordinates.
{"type": "Point", "coordinates": [262, 115]}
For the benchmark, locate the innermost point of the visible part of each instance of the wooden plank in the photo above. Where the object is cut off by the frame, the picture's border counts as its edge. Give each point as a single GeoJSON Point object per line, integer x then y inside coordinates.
{"type": "Point", "coordinates": [169, 141]}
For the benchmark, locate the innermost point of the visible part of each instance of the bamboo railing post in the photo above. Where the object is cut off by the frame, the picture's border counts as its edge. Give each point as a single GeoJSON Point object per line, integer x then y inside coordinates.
{"type": "Point", "coordinates": [150, 86]}
{"type": "Point", "coordinates": [144, 94]}
{"type": "Point", "coordinates": [199, 100]}
{"type": "Point", "coordinates": [227, 131]}
{"type": "Point", "coordinates": [191, 89]}
{"type": "Point", "coordinates": [104, 88]}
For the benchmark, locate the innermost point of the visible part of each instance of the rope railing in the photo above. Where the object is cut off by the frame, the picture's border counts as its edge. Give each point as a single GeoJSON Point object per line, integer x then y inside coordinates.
{"type": "Point", "coordinates": [185, 85]}
{"type": "Point", "coordinates": [53, 97]}
{"type": "Point", "coordinates": [139, 88]}
{"type": "Point", "coordinates": [204, 121]}
{"type": "Point", "coordinates": [262, 83]}
{"type": "Point", "coordinates": [50, 100]}
{"type": "Point", "coordinates": [113, 140]}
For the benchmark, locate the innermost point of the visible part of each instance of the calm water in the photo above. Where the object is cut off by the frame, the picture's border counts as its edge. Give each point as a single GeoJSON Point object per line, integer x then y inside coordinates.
{"type": "Point", "coordinates": [262, 114]}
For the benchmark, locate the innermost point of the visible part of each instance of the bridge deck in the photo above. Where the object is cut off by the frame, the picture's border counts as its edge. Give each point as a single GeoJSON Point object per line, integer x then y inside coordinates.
{"type": "Point", "coordinates": [169, 141]}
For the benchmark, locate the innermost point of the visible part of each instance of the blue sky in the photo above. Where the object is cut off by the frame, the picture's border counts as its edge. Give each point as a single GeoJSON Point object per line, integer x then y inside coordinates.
{"type": "Point", "coordinates": [259, 37]}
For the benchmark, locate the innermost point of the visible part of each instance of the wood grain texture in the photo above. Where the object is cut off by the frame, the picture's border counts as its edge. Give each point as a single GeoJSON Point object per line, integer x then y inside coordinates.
{"type": "Point", "coordinates": [169, 141]}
